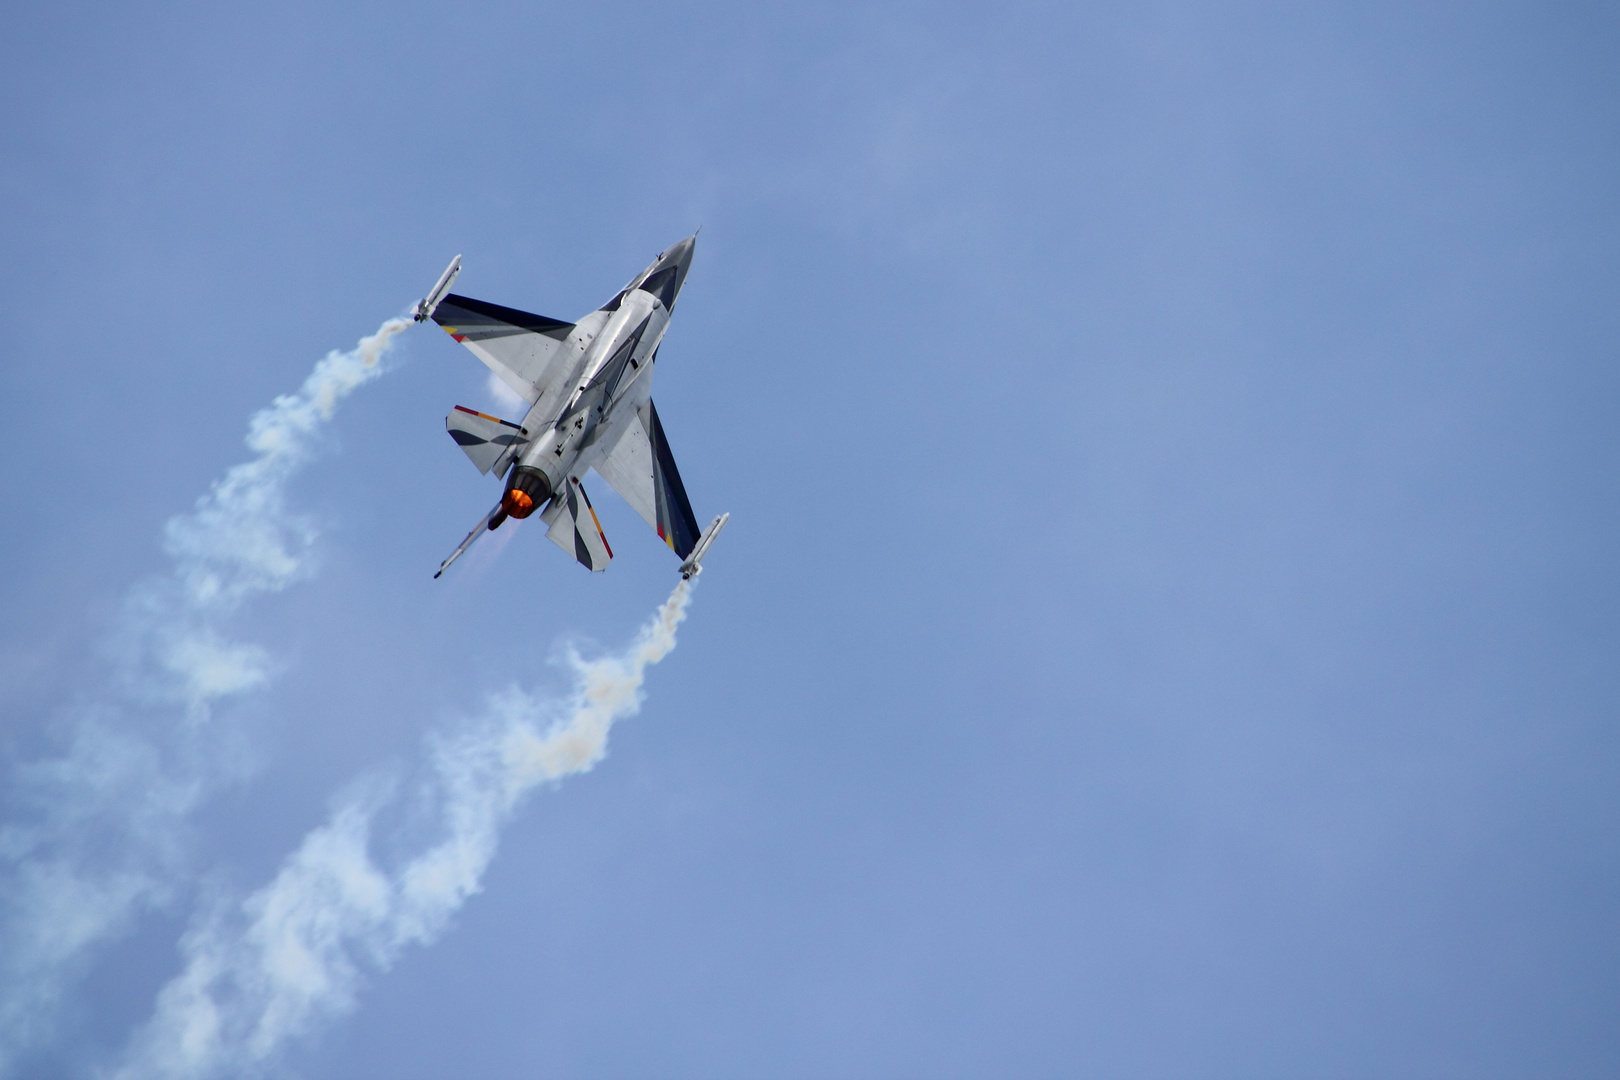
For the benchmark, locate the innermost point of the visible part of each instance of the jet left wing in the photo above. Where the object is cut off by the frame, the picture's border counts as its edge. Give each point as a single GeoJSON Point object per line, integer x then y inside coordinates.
{"type": "Point", "coordinates": [642, 470]}
{"type": "Point", "coordinates": [520, 347]}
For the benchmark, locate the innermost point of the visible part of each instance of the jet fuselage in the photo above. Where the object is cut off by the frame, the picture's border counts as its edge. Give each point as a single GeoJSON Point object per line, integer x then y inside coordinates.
{"type": "Point", "coordinates": [610, 377]}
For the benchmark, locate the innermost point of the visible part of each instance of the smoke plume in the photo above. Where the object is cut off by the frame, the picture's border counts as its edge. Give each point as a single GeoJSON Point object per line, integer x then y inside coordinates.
{"type": "Point", "coordinates": [98, 834]}
{"type": "Point", "coordinates": [292, 954]}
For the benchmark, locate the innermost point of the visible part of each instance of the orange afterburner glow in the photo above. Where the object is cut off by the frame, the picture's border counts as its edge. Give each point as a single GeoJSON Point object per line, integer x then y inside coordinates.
{"type": "Point", "coordinates": [517, 503]}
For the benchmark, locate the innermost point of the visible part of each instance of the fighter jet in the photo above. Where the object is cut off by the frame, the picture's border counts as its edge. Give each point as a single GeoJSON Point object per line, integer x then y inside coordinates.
{"type": "Point", "coordinates": [588, 385]}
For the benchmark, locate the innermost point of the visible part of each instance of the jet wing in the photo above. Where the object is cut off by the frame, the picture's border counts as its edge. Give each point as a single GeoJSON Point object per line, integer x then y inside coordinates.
{"type": "Point", "coordinates": [642, 470]}
{"type": "Point", "coordinates": [522, 348]}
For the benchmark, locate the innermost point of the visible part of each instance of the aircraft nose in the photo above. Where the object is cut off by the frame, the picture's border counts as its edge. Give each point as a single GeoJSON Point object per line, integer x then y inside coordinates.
{"type": "Point", "coordinates": [681, 254]}
{"type": "Point", "coordinates": [665, 276]}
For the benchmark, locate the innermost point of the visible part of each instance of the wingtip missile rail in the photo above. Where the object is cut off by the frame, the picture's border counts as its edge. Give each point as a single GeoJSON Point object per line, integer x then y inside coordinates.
{"type": "Point", "coordinates": [424, 307]}
{"type": "Point", "coordinates": [693, 565]}
{"type": "Point", "coordinates": [478, 530]}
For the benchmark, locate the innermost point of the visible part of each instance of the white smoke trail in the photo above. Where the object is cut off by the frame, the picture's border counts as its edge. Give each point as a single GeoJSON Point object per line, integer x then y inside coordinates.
{"type": "Point", "coordinates": [104, 827]}
{"type": "Point", "coordinates": [292, 953]}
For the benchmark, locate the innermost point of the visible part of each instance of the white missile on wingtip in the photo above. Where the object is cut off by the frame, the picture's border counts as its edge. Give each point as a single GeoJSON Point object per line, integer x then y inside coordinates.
{"type": "Point", "coordinates": [425, 306]}
{"type": "Point", "coordinates": [694, 562]}
{"type": "Point", "coordinates": [478, 530]}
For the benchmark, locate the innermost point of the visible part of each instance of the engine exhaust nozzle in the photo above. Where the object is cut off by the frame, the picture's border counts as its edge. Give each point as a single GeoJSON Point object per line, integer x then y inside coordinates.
{"type": "Point", "coordinates": [528, 489]}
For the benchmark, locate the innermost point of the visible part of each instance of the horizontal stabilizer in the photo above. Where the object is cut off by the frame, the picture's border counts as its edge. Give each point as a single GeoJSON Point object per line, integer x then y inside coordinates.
{"type": "Point", "coordinates": [488, 440]}
{"type": "Point", "coordinates": [575, 529]}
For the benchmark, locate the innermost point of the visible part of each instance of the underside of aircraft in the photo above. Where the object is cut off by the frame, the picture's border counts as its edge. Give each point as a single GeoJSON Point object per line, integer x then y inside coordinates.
{"type": "Point", "coordinates": [588, 385]}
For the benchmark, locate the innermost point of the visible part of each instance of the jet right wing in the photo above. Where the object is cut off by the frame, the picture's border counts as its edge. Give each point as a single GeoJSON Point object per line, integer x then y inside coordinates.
{"type": "Point", "coordinates": [520, 347]}
{"type": "Point", "coordinates": [642, 470]}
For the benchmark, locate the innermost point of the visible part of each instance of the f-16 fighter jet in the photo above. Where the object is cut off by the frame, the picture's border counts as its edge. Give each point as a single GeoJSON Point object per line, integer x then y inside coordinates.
{"type": "Point", "coordinates": [589, 389]}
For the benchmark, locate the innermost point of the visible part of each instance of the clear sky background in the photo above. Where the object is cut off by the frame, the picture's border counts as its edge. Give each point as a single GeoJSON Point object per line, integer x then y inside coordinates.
{"type": "Point", "coordinates": [1168, 624]}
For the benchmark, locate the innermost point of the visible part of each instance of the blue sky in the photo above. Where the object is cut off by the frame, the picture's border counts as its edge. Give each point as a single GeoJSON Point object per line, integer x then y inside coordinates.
{"type": "Point", "coordinates": [1167, 626]}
